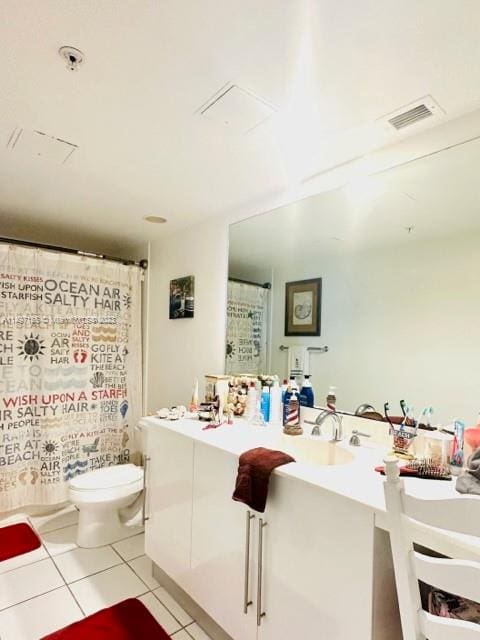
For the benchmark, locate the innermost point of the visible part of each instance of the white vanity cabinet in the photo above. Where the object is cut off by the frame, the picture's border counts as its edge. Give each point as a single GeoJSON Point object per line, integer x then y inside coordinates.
{"type": "Point", "coordinates": [311, 572]}
{"type": "Point", "coordinates": [219, 551]}
{"type": "Point", "coordinates": [168, 506]}
{"type": "Point", "coordinates": [317, 565]}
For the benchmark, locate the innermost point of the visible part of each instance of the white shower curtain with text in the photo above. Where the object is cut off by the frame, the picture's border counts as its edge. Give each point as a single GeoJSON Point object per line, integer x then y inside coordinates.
{"type": "Point", "coordinates": [247, 311]}
{"type": "Point", "coordinates": [70, 370]}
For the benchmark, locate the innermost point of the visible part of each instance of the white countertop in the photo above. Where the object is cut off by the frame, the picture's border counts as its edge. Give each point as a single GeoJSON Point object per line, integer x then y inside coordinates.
{"type": "Point", "coordinates": [356, 480]}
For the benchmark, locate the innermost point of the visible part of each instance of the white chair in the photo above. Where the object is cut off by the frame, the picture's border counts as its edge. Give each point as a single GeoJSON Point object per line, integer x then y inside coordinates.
{"type": "Point", "coordinates": [460, 577]}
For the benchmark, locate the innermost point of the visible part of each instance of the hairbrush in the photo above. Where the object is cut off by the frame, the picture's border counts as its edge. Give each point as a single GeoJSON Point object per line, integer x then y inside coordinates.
{"type": "Point", "coordinates": [426, 468]}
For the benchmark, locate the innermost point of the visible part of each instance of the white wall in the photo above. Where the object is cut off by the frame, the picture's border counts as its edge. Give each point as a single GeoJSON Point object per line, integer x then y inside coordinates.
{"type": "Point", "coordinates": [399, 323]}
{"type": "Point", "coordinates": [180, 350]}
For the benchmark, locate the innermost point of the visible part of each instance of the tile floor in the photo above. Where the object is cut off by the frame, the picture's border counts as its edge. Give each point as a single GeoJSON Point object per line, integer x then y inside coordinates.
{"type": "Point", "coordinates": [59, 583]}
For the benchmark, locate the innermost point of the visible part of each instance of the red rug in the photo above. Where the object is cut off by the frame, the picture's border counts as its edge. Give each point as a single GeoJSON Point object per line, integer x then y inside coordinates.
{"type": "Point", "coordinates": [16, 539]}
{"type": "Point", "coordinates": [127, 620]}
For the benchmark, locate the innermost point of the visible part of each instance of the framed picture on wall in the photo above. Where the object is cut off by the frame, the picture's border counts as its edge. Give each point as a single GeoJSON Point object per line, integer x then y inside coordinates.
{"type": "Point", "coordinates": [303, 305]}
{"type": "Point", "coordinates": [182, 297]}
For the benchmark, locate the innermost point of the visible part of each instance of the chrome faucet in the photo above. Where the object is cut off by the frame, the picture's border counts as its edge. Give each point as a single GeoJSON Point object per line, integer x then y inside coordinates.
{"type": "Point", "coordinates": [337, 426]}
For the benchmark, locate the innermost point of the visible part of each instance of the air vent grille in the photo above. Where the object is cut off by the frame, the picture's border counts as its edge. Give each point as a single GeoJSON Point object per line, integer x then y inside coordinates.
{"type": "Point", "coordinates": [410, 117]}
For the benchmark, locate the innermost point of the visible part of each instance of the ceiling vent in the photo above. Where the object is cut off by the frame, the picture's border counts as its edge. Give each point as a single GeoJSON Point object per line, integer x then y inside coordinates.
{"type": "Point", "coordinates": [236, 108]}
{"type": "Point", "coordinates": [412, 114]}
{"type": "Point", "coordinates": [38, 144]}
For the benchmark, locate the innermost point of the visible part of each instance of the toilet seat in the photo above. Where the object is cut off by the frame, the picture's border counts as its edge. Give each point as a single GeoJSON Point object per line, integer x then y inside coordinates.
{"type": "Point", "coordinates": [106, 484]}
{"type": "Point", "coordinates": [107, 477]}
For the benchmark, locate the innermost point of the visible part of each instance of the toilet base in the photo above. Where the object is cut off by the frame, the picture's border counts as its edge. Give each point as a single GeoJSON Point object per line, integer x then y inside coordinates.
{"type": "Point", "coordinates": [99, 527]}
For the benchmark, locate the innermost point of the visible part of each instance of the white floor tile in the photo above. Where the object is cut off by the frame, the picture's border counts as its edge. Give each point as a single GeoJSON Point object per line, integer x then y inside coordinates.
{"type": "Point", "coordinates": [62, 518]}
{"type": "Point", "coordinates": [131, 547]}
{"type": "Point", "coordinates": [80, 563]}
{"type": "Point", "coordinates": [196, 632]}
{"type": "Point", "coordinates": [172, 605]}
{"type": "Point", "coordinates": [25, 558]}
{"type": "Point", "coordinates": [60, 540]}
{"type": "Point", "coordinates": [27, 582]}
{"type": "Point", "coordinates": [40, 616]}
{"type": "Point", "coordinates": [143, 568]}
{"type": "Point", "coordinates": [129, 532]}
{"type": "Point", "coordinates": [107, 588]}
{"type": "Point", "coordinates": [181, 635]}
{"type": "Point", "coordinates": [161, 615]}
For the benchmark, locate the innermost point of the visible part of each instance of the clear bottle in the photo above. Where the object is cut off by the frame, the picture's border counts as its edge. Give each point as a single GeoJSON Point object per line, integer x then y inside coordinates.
{"type": "Point", "coordinates": [332, 398]}
{"type": "Point", "coordinates": [275, 403]}
{"type": "Point", "coordinates": [251, 401]}
{"type": "Point", "coordinates": [257, 418]}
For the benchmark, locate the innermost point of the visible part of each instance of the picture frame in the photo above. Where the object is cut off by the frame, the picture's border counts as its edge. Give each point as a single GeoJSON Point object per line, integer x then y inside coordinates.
{"type": "Point", "coordinates": [182, 298]}
{"type": "Point", "coordinates": [303, 307]}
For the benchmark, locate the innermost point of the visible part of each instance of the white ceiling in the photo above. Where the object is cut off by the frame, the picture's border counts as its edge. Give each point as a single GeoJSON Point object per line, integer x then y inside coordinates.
{"type": "Point", "coordinates": [430, 198]}
{"type": "Point", "coordinates": [330, 68]}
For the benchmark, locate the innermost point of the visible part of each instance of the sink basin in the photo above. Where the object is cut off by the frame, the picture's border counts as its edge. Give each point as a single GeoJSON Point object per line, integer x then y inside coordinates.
{"type": "Point", "coordinates": [315, 452]}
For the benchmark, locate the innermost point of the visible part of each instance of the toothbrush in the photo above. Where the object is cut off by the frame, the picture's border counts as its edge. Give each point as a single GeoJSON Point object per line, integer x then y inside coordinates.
{"type": "Point", "coordinates": [458, 454]}
{"type": "Point", "coordinates": [422, 413]}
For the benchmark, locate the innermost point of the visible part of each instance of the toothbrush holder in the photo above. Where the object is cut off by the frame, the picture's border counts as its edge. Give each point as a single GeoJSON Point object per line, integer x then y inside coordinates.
{"type": "Point", "coordinates": [402, 441]}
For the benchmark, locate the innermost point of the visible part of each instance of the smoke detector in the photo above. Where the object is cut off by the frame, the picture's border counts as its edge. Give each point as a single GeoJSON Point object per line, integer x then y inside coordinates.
{"type": "Point", "coordinates": [73, 57]}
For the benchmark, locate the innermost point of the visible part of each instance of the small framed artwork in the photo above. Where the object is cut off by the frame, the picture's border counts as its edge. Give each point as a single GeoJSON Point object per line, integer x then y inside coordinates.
{"type": "Point", "coordinates": [182, 297]}
{"type": "Point", "coordinates": [303, 305]}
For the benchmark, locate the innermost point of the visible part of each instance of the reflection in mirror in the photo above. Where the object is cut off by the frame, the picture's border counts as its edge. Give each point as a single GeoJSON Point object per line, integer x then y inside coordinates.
{"type": "Point", "coordinates": [398, 255]}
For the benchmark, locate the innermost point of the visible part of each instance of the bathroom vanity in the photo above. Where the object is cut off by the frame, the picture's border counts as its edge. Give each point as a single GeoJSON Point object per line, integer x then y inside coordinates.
{"type": "Point", "coordinates": [318, 559]}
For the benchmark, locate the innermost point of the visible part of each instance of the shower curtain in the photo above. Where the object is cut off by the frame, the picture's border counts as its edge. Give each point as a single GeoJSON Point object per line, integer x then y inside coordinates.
{"type": "Point", "coordinates": [247, 311]}
{"type": "Point", "coordinates": [70, 370]}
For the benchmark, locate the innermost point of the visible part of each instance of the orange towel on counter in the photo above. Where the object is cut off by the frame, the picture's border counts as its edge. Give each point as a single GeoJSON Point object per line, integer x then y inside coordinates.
{"type": "Point", "coordinates": [254, 469]}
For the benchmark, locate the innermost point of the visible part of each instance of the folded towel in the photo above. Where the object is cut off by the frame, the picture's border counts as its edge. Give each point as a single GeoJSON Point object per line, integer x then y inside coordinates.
{"type": "Point", "coordinates": [254, 470]}
{"type": "Point", "coordinates": [469, 480]}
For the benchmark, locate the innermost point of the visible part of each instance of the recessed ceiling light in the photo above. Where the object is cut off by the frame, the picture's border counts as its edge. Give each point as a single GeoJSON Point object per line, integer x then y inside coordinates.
{"type": "Point", "coordinates": [155, 219]}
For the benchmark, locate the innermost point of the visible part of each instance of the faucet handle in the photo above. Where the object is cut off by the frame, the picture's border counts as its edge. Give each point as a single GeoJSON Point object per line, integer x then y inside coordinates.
{"type": "Point", "coordinates": [355, 437]}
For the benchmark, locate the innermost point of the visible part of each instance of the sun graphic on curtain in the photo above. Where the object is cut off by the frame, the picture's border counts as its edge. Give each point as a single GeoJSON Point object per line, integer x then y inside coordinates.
{"type": "Point", "coordinates": [31, 347]}
{"type": "Point", "coordinates": [50, 447]}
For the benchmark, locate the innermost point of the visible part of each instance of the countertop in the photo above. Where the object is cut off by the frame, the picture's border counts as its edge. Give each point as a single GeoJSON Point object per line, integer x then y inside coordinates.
{"type": "Point", "coordinates": [355, 480]}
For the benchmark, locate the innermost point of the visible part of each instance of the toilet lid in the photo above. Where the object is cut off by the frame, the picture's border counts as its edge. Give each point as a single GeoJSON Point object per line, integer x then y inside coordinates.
{"type": "Point", "coordinates": [108, 477]}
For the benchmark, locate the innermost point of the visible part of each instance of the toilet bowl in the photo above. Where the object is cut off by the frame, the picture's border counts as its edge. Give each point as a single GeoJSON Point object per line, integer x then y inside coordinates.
{"type": "Point", "coordinates": [100, 496]}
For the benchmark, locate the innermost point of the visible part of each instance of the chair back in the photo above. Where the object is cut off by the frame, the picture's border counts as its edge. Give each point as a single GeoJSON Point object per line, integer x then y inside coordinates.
{"type": "Point", "coordinates": [460, 577]}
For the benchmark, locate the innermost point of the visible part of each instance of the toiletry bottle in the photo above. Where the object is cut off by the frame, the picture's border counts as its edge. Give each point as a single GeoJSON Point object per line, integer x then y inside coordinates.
{"type": "Point", "coordinates": [275, 403]}
{"type": "Point", "coordinates": [332, 399]}
{"type": "Point", "coordinates": [283, 389]}
{"type": "Point", "coordinates": [292, 386]}
{"type": "Point", "coordinates": [265, 403]}
{"type": "Point", "coordinates": [293, 411]}
{"type": "Point", "coordinates": [458, 455]}
{"type": "Point", "coordinates": [306, 393]}
{"type": "Point", "coordinates": [251, 401]}
{"type": "Point", "coordinates": [194, 401]}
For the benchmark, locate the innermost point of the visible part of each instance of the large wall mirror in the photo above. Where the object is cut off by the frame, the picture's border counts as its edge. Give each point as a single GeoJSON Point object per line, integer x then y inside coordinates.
{"type": "Point", "coordinates": [398, 254]}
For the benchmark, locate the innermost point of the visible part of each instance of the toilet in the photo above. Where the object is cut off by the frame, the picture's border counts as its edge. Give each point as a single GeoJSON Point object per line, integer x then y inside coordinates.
{"type": "Point", "coordinates": [100, 496]}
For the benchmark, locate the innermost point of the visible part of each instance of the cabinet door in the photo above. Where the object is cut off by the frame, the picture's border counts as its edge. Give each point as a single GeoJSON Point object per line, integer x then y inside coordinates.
{"type": "Point", "coordinates": [169, 502]}
{"type": "Point", "coordinates": [317, 565]}
{"type": "Point", "coordinates": [219, 544]}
